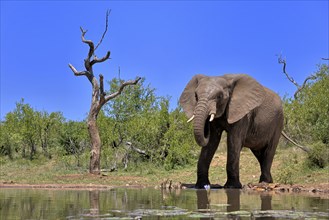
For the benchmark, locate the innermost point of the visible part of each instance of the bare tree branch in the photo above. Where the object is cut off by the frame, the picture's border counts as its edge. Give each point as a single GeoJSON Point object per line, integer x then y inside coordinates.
{"type": "Point", "coordinates": [92, 49]}
{"type": "Point", "coordinates": [101, 84]}
{"type": "Point", "coordinates": [299, 87]}
{"type": "Point", "coordinates": [101, 89]}
{"type": "Point", "coordinates": [123, 85]}
{"type": "Point", "coordinates": [311, 77]}
{"type": "Point", "coordinates": [96, 60]}
{"type": "Point", "coordinates": [106, 26]}
{"type": "Point", "coordinates": [78, 73]}
{"type": "Point", "coordinates": [306, 149]}
{"type": "Point", "coordinates": [283, 61]}
{"type": "Point", "coordinates": [89, 42]}
{"type": "Point", "coordinates": [119, 73]}
{"type": "Point", "coordinates": [130, 146]}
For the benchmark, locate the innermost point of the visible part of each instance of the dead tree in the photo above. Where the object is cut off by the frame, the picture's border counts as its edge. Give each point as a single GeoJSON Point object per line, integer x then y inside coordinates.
{"type": "Point", "coordinates": [299, 87]}
{"type": "Point", "coordinates": [99, 96]}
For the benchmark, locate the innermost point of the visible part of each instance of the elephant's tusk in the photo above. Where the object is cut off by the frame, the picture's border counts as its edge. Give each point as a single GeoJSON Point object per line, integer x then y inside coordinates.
{"type": "Point", "coordinates": [212, 116]}
{"type": "Point", "coordinates": [188, 121]}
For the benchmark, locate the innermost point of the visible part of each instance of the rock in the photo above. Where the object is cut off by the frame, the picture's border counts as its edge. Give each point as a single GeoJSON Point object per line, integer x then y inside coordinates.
{"type": "Point", "coordinates": [168, 184]}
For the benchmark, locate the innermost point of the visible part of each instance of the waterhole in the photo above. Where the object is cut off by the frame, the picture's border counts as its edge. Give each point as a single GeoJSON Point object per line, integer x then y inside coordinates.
{"type": "Point", "coordinates": [159, 204]}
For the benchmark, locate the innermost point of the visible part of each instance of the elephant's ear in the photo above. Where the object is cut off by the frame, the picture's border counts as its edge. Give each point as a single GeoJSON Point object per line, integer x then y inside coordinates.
{"type": "Point", "coordinates": [188, 100]}
{"type": "Point", "coordinates": [247, 94]}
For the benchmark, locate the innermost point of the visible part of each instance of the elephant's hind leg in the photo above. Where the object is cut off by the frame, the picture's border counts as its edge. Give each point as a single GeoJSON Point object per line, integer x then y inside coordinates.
{"type": "Point", "coordinates": [265, 158]}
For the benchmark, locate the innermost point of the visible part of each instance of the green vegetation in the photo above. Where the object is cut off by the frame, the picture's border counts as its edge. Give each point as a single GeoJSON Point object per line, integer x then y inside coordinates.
{"type": "Point", "coordinates": [63, 170]}
{"type": "Point", "coordinates": [25, 130]}
{"type": "Point", "coordinates": [135, 128]}
{"type": "Point", "coordinates": [307, 117]}
{"type": "Point", "coordinates": [143, 141]}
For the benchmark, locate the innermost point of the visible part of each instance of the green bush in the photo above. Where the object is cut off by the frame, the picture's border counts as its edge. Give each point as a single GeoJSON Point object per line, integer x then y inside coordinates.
{"type": "Point", "coordinates": [140, 117]}
{"type": "Point", "coordinates": [307, 115]}
{"type": "Point", "coordinates": [179, 142]}
{"type": "Point", "coordinates": [318, 157]}
{"type": "Point", "coordinates": [289, 170]}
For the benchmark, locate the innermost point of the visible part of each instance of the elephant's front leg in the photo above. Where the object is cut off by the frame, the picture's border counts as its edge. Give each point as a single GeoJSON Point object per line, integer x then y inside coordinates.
{"type": "Point", "coordinates": [206, 155]}
{"type": "Point", "coordinates": [234, 146]}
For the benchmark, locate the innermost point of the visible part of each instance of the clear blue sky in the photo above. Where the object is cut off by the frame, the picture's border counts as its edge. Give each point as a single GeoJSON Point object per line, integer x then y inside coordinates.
{"type": "Point", "coordinates": [166, 42]}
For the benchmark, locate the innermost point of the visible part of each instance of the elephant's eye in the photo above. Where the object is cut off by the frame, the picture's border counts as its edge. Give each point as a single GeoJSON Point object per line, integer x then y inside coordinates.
{"type": "Point", "coordinates": [196, 97]}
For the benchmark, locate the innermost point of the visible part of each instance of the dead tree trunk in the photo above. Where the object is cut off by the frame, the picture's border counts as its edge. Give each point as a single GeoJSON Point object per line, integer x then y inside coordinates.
{"type": "Point", "coordinates": [99, 97]}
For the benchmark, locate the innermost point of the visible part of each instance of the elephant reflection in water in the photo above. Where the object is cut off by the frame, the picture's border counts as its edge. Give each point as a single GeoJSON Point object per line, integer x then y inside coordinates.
{"type": "Point", "coordinates": [233, 201]}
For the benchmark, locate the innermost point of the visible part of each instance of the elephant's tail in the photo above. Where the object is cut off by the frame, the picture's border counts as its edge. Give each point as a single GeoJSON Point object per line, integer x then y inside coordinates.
{"type": "Point", "coordinates": [306, 149]}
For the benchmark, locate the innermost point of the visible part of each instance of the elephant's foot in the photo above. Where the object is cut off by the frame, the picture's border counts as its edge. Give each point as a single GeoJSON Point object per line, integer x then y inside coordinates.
{"type": "Point", "coordinates": [266, 178]}
{"type": "Point", "coordinates": [232, 185]}
{"type": "Point", "coordinates": [202, 184]}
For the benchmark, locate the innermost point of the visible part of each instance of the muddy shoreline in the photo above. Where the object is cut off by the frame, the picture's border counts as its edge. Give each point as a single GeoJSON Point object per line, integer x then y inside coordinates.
{"type": "Point", "coordinates": [311, 190]}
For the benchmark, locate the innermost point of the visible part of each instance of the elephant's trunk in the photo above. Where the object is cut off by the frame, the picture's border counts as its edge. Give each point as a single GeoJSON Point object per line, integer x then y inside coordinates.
{"type": "Point", "coordinates": [201, 124]}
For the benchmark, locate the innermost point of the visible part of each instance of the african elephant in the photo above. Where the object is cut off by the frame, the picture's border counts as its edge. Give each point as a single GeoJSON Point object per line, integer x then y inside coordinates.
{"type": "Point", "coordinates": [250, 113]}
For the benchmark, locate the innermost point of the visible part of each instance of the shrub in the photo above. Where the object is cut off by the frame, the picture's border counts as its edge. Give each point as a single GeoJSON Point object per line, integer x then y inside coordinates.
{"type": "Point", "coordinates": [318, 157]}
{"type": "Point", "coordinates": [289, 169]}
{"type": "Point", "coordinates": [307, 115]}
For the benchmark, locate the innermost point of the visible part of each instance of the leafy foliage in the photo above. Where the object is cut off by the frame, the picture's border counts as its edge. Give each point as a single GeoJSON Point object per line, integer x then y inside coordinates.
{"type": "Point", "coordinates": [74, 139]}
{"type": "Point", "coordinates": [138, 128]}
{"type": "Point", "coordinates": [135, 128]}
{"type": "Point", "coordinates": [179, 141]}
{"type": "Point", "coordinates": [143, 119]}
{"type": "Point", "coordinates": [307, 116]}
{"type": "Point", "coordinates": [291, 166]}
{"type": "Point", "coordinates": [319, 156]}
{"type": "Point", "coordinates": [25, 130]}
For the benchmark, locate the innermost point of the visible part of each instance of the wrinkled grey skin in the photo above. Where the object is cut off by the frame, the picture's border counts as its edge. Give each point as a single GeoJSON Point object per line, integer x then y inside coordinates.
{"type": "Point", "coordinates": [251, 115]}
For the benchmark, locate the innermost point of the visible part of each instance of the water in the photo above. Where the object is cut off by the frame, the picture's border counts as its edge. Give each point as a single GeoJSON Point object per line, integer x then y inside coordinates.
{"type": "Point", "coordinates": [157, 204]}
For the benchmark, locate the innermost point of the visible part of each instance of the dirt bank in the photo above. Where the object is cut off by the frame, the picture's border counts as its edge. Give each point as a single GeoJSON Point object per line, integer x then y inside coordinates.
{"type": "Point", "coordinates": [322, 188]}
